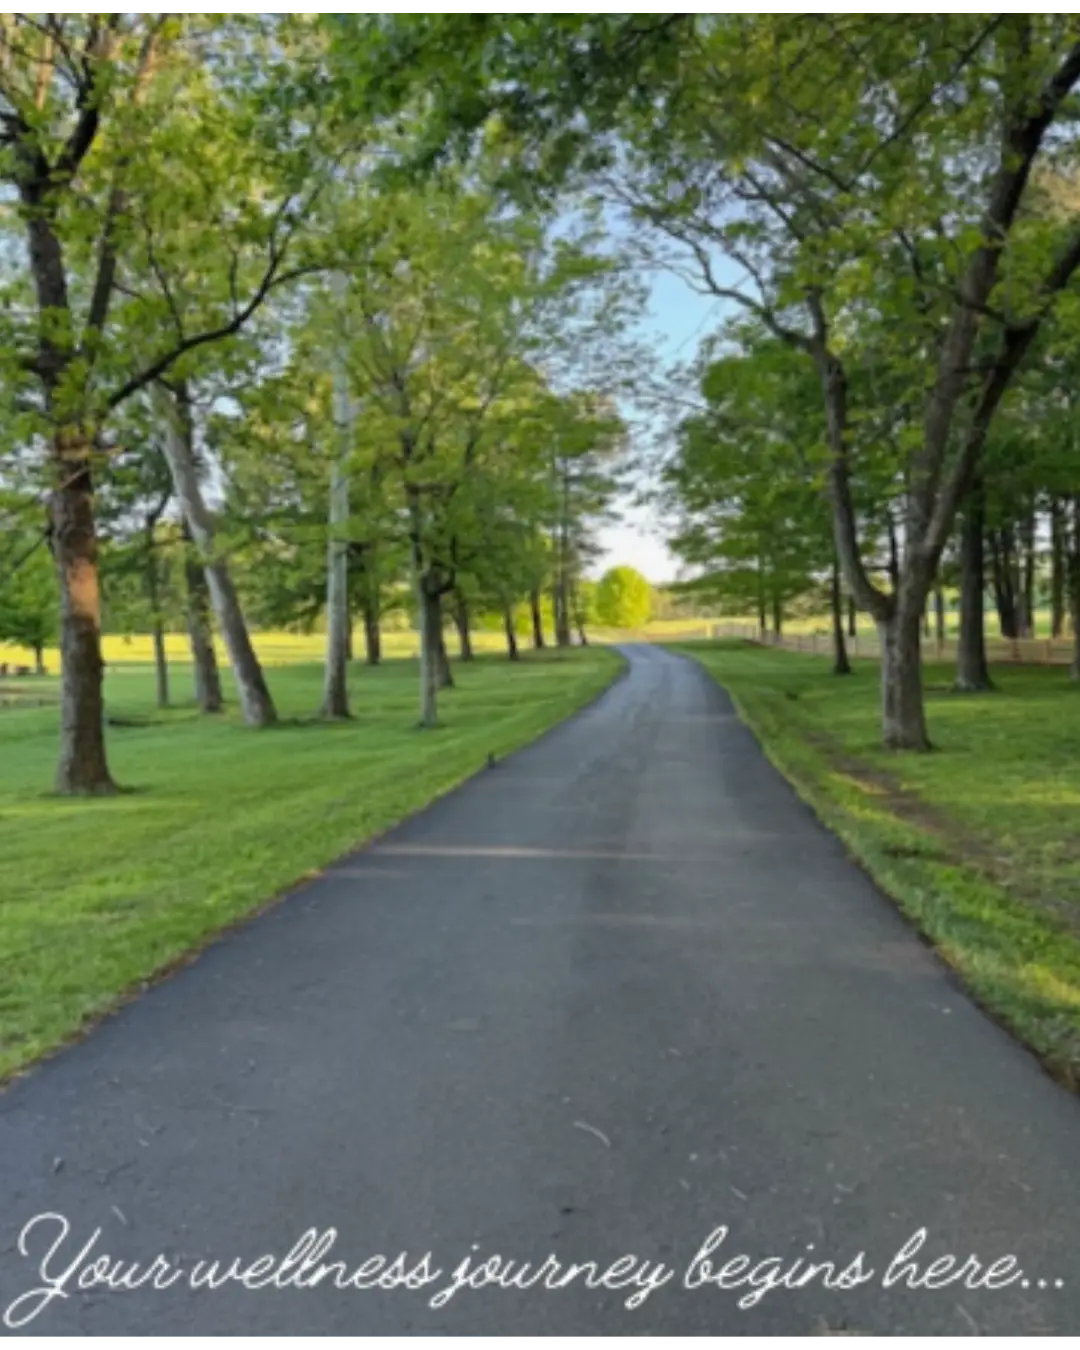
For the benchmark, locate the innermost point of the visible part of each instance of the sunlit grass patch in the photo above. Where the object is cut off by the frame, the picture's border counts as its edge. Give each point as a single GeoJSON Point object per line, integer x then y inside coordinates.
{"type": "Point", "coordinates": [97, 895]}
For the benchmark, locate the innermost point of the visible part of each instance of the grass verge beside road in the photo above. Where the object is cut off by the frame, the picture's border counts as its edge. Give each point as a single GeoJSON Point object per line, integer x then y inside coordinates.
{"type": "Point", "coordinates": [98, 895]}
{"type": "Point", "coordinates": [979, 842]}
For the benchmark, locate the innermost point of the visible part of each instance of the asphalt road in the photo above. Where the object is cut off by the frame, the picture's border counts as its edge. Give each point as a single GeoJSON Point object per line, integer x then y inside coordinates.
{"type": "Point", "coordinates": [610, 996]}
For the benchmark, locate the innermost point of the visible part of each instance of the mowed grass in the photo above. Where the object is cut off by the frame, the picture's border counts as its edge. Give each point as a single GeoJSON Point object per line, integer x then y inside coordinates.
{"type": "Point", "coordinates": [979, 842]}
{"type": "Point", "coordinates": [274, 648]}
{"type": "Point", "coordinates": [97, 895]}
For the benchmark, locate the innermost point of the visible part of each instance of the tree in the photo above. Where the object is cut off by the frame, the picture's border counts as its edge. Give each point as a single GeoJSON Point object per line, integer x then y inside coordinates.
{"type": "Point", "coordinates": [177, 416]}
{"type": "Point", "coordinates": [744, 481]}
{"type": "Point", "coordinates": [28, 611]}
{"type": "Point", "coordinates": [838, 191]}
{"type": "Point", "coordinates": [623, 599]}
{"type": "Point", "coordinates": [455, 301]}
{"type": "Point", "coordinates": [133, 249]}
{"type": "Point", "coordinates": [197, 609]}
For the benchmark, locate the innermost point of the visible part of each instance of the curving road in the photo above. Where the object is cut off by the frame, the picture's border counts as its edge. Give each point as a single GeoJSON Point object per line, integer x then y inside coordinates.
{"type": "Point", "coordinates": [611, 995]}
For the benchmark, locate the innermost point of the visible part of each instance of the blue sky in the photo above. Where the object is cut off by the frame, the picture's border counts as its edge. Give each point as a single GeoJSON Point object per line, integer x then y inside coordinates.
{"type": "Point", "coordinates": [677, 320]}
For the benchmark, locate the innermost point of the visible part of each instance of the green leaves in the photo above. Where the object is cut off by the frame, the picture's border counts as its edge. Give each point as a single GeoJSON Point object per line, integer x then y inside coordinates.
{"type": "Point", "coordinates": [623, 599]}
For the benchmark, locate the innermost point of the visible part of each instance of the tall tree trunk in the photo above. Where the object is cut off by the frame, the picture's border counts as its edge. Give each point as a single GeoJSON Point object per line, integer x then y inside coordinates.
{"type": "Point", "coordinates": [256, 704]}
{"type": "Point", "coordinates": [511, 636]}
{"type": "Point", "coordinates": [446, 675]}
{"type": "Point", "coordinates": [161, 665]}
{"type": "Point", "coordinates": [83, 767]}
{"type": "Point", "coordinates": [39, 658]}
{"type": "Point", "coordinates": [561, 592]}
{"type": "Point", "coordinates": [841, 664]}
{"type": "Point", "coordinates": [335, 702]}
{"type": "Point", "coordinates": [427, 588]}
{"type": "Point", "coordinates": [1013, 587]}
{"type": "Point", "coordinates": [537, 618]}
{"type": "Point", "coordinates": [972, 668]}
{"type": "Point", "coordinates": [939, 615]}
{"type": "Point", "coordinates": [894, 556]}
{"type": "Point", "coordinates": [372, 635]}
{"type": "Point", "coordinates": [561, 601]}
{"type": "Point", "coordinates": [430, 624]}
{"type": "Point", "coordinates": [1058, 566]}
{"type": "Point", "coordinates": [1026, 568]}
{"type": "Point", "coordinates": [461, 623]}
{"type": "Point", "coordinates": [777, 614]}
{"type": "Point", "coordinates": [579, 616]}
{"type": "Point", "coordinates": [852, 618]}
{"type": "Point", "coordinates": [901, 678]}
{"type": "Point", "coordinates": [1002, 573]}
{"type": "Point", "coordinates": [207, 678]}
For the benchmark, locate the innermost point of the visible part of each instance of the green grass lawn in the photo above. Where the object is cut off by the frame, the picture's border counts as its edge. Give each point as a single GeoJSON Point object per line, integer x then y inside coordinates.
{"type": "Point", "coordinates": [979, 842]}
{"type": "Point", "coordinates": [97, 895]}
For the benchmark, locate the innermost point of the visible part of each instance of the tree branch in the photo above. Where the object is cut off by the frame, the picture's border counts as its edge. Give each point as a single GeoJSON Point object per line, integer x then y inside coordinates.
{"type": "Point", "coordinates": [834, 394]}
{"type": "Point", "coordinates": [1015, 344]}
{"type": "Point", "coordinates": [1021, 143]}
{"type": "Point", "coordinates": [271, 281]}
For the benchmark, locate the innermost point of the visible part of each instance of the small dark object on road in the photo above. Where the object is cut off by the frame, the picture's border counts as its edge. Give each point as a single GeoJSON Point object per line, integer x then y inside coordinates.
{"type": "Point", "coordinates": [492, 762]}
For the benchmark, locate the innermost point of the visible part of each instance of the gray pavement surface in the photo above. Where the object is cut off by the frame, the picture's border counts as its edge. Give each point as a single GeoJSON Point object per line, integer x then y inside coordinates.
{"type": "Point", "coordinates": [614, 994]}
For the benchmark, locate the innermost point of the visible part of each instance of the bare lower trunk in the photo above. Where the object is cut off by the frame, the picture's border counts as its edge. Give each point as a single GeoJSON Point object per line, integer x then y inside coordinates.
{"type": "Point", "coordinates": [372, 635]}
{"type": "Point", "coordinates": [39, 658]}
{"type": "Point", "coordinates": [83, 767]}
{"type": "Point", "coordinates": [939, 616]}
{"type": "Point", "coordinates": [430, 623]}
{"type": "Point", "coordinates": [1003, 572]}
{"type": "Point", "coordinates": [511, 636]}
{"type": "Point", "coordinates": [852, 618]}
{"type": "Point", "coordinates": [1057, 567]}
{"type": "Point", "coordinates": [461, 623]}
{"type": "Point", "coordinates": [1026, 576]}
{"type": "Point", "coordinates": [841, 664]}
{"type": "Point", "coordinates": [445, 674]}
{"type": "Point", "coordinates": [972, 669]}
{"type": "Point", "coordinates": [335, 702]}
{"type": "Point", "coordinates": [338, 621]}
{"type": "Point", "coordinates": [207, 678]}
{"type": "Point", "coordinates": [579, 616]}
{"type": "Point", "coordinates": [894, 556]}
{"type": "Point", "coordinates": [537, 619]}
{"type": "Point", "coordinates": [901, 680]}
{"type": "Point", "coordinates": [561, 603]}
{"type": "Point", "coordinates": [256, 704]}
{"type": "Point", "coordinates": [161, 665]}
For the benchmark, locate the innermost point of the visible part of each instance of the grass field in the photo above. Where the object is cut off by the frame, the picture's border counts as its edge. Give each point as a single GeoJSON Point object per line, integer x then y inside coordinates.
{"type": "Point", "coordinates": [96, 896]}
{"type": "Point", "coordinates": [273, 648]}
{"type": "Point", "coordinates": [978, 842]}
